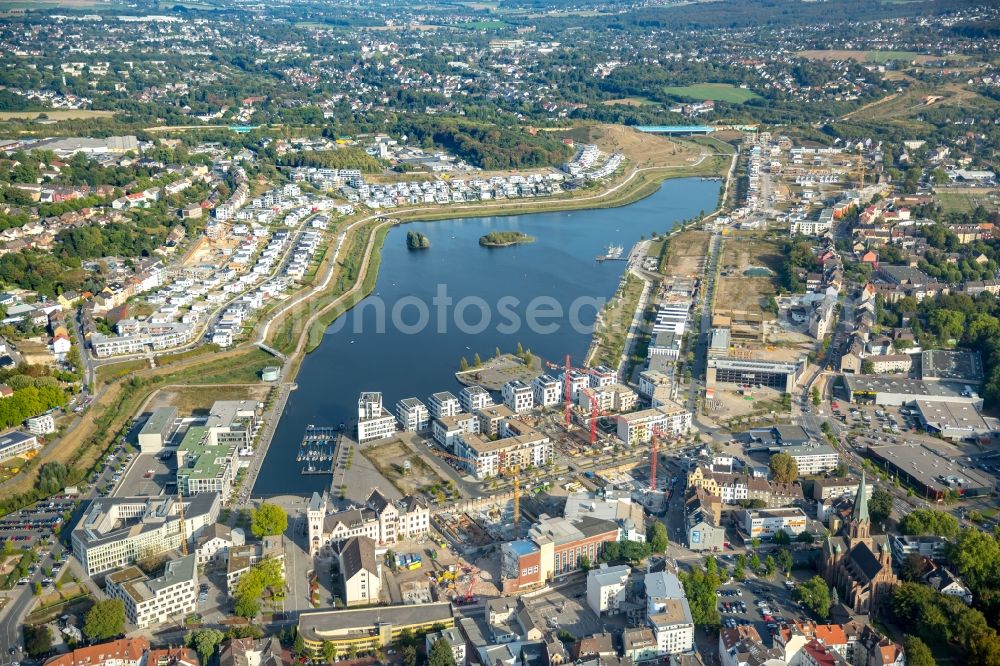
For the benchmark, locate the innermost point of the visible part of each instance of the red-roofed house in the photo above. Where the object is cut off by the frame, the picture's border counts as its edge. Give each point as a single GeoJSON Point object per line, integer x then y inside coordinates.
{"type": "Point", "coordinates": [816, 654]}
{"type": "Point", "coordinates": [123, 652]}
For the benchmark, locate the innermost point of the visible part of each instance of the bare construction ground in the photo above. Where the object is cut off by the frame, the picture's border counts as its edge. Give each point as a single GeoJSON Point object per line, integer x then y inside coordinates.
{"type": "Point", "coordinates": [642, 150]}
{"type": "Point", "coordinates": [198, 399]}
{"type": "Point", "coordinates": [686, 254]}
{"type": "Point", "coordinates": [737, 290]}
{"type": "Point", "coordinates": [390, 460]}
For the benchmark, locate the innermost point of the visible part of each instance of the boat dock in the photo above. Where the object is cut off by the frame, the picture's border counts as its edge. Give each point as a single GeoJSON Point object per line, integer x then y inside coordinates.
{"type": "Point", "coordinates": [612, 253]}
{"type": "Point", "coordinates": [318, 449]}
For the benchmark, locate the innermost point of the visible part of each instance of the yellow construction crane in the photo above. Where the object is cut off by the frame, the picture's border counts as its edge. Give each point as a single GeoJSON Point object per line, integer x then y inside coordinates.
{"type": "Point", "coordinates": [180, 509]}
{"type": "Point", "coordinates": [513, 469]}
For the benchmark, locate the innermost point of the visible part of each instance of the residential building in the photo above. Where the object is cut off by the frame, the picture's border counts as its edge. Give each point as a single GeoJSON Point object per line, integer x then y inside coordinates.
{"type": "Point", "coordinates": [443, 404]}
{"type": "Point", "coordinates": [934, 548]}
{"type": "Point", "coordinates": [667, 420]}
{"type": "Point", "coordinates": [374, 421]}
{"type": "Point", "coordinates": [518, 396]}
{"type": "Point", "coordinates": [215, 542]}
{"type": "Point", "coordinates": [360, 573]}
{"type": "Point", "coordinates": [810, 458]}
{"type": "Point", "coordinates": [732, 488]}
{"type": "Point", "coordinates": [764, 523]}
{"type": "Point", "coordinates": [639, 644]}
{"type": "Point", "coordinates": [609, 398]}
{"type": "Point", "coordinates": [832, 488]}
{"type": "Point", "coordinates": [547, 391]}
{"type": "Point", "coordinates": [381, 520]}
{"type": "Point", "coordinates": [150, 601]}
{"type": "Point", "coordinates": [413, 415]}
{"type": "Point", "coordinates": [43, 424]}
{"type": "Point", "coordinates": [519, 444]}
{"type": "Point", "coordinates": [448, 429]}
{"type": "Point", "coordinates": [472, 398]}
{"type": "Point", "coordinates": [369, 628]}
{"type": "Point", "coordinates": [492, 417]}
{"type": "Point", "coordinates": [243, 558]}
{"type": "Point", "coordinates": [668, 613]}
{"type": "Point", "coordinates": [251, 652]}
{"type": "Point", "coordinates": [116, 531]}
{"type": "Point", "coordinates": [607, 588]}
{"type": "Point", "coordinates": [122, 652]}
{"type": "Point", "coordinates": [454, 638]}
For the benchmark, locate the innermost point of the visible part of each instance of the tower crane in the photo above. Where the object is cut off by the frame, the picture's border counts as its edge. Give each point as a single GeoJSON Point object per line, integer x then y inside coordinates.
{"type": "Point", "coordinates": [654, 455]}
{"type": "Point", "coordinates": [515, 471]}
{"type": "Point", "coordinates": [595, 413]}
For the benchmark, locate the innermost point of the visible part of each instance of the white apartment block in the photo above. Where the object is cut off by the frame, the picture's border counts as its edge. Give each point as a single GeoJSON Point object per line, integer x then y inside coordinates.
{"type": "Point", "coordinates": [142, 338]}
{"type": "Point", "coordinates": [668, 613]}
{"type": "Point", "coordinates": [443, 403]}
{"type": "Point", "coordinates": [577, 380]}
{"type": "Point", "coordinates": [638, 427]}
{"type": "Point", "coordinates": [602, 375]}
{"type": "Point", "coordinates": [473, 398]}
{"type": "Point", "coordinates": [764, 523]}
{"type": "Point", "coordinates": [43, 424]}
{"type": "Point", "coordinates": [116, 531]}
{"type": "Point", "coordinates": [811, 458]}
{"type": "Point", "coordinates": [518, 396]}
{"type": "Point", "coordinates": [413, 415]}
{"type": "Point", "coordinates": [448, 429]}
{"type": "Point", "coordinates": [17, 443]}
{"type": "Point", "coordinates": [609, 398]}
{"type": "Point", "coordinates": [374, 421]}
{"type": "Point", "coordinates": [547, 391]}
{"type": "Point", "coordinates": [519, 444]}
{"type": "Point", "coordinates": [150, 601]}
{"type": "Point", "coordinates": [607, 587]}
{"type": "Point", "coordinates": [806, 227]}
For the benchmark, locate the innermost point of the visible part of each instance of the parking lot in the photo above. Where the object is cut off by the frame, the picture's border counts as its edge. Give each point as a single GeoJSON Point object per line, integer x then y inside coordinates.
{"type": "Point", "coordinates": [763, 603]}
{"type": "Point", "coordinates": [148, 475]}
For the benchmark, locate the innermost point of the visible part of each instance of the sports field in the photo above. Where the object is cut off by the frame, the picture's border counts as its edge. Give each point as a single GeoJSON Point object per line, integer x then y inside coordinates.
{"type": "Point", "coordinates": [719, 92]}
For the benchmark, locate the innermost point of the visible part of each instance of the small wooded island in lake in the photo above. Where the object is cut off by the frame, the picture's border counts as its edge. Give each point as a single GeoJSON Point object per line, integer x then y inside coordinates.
{"type": "Point", "coordinates": [505, 239]}
{"type": "Point", "coordinates": [417, 241]}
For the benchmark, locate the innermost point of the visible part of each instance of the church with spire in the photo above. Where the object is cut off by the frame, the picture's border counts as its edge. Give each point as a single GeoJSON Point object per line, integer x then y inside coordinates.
{"type": "Point", "coordinates": [857, 564]}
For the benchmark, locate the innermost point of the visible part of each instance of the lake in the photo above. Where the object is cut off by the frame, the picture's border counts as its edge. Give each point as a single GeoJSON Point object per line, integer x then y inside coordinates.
{"type": "Point", "coordinates": [432, 307]}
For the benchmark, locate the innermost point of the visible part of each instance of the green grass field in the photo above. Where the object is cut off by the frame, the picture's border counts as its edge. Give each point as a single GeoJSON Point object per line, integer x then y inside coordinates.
{"type": "Point", "coordinates": [886, 56]}
{"type": "Point", "coordinates": [719, 92]}
{"type": "Point", "coordinates": [963, 202]}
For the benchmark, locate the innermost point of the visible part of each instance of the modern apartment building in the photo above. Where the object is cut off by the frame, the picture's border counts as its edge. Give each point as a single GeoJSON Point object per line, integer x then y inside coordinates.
{"type": "Point", "coordinates": [150, 601]}
{"type": "Point", "coordinates": [638, 427]}
{"type": "Point", "coordinates": [413, 415]}
{"type": "Point", "coordinates": [116, 531]}
{"type": "Point", "coordinates": [609, 398]}
{"type": "Point", "coordinates": [764, 523]}
{"type": "Point", "coordinates": [519, 444]}
{"type": "Point", "coordinates": [668, 613]}
{"type": "Point", "coordinates": [607, 587]}
{"type": "Point", "coordinates": [374, 421]}
{"type": "Point", "coordinates": [810, 458]}
{"type": "Point", "coordinates": [473, 398]}
{"type": "Point", "coordinates": [15, 444]}
{"type": "Point", "coordinates": [602, 376]}
{"type": "Point", "coordinates": [518, 396]}
{"type": "Point", "coordinates": [577, 380]}
{"type": "Point", "coordinates": [448, 429]}
{"type": "Point", "coordinates": [547, 391]}
{"type": "Point", "coordinates": [443, 404]}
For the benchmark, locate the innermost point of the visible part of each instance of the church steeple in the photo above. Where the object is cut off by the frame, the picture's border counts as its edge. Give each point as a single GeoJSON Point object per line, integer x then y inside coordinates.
{"type": "Point", "coordinates": [860, 527]}
{"type": "Point", "coordinates": [860, 502]}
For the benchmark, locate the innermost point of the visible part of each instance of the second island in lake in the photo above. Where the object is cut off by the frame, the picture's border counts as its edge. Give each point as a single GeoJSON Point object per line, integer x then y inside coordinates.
{"type": "Point", "coordinates": [505, 239]}
{"type": "Point", "coordinates": [417, 241]}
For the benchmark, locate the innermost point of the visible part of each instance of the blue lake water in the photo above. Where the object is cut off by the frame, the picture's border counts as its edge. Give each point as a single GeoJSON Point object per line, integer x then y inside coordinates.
{"type": "Point", "coordinates": [366, 351]}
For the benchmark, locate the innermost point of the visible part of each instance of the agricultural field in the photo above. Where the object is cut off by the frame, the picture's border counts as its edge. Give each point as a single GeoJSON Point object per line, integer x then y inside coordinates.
{"type": "Point", "coordinates": [719, 92]}
{"type": "Point", "coordinates": [630, 101]}
{"type": "Point", "coordinates": [53, 114]}
{"type": "Point", "coordinates": [866, 56]}
{"type": "Point", "coordinates": [486, 25]}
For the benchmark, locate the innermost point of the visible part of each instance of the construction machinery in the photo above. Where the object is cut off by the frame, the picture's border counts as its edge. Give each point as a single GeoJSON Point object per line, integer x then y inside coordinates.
{"type": "Point", "coordinates": [654, 456]}
{"type": "Point", "coordinates": [469, 597]}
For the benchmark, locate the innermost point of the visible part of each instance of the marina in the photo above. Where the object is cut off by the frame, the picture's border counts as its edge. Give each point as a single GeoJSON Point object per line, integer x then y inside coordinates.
{"type": "Point", "coordinates": [318, 449]}
{"type": "Point", "coordinates": [612, 253]}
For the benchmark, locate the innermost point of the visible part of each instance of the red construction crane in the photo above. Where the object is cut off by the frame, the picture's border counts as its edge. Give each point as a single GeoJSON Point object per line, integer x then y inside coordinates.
{"type": "Point", "coordinates": [569, 392]}
{"type": "Point", "coordinates": [595, 413]}
{"type": "Point", "coordinates": [654, 456]}
{"type": "Point", "coordinates": [468, 597]}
